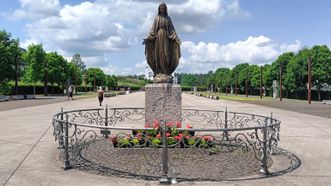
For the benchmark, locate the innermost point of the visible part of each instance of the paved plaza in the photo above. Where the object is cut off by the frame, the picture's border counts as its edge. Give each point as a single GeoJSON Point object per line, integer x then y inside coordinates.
{"type": "Point", "coordinates": [29, 154]}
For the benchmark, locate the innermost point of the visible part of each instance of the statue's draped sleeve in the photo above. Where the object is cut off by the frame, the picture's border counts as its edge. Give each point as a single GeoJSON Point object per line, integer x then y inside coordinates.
{"type": "Point", "coordinates": [150, 47]}
{"type": "Point", "coordinates": [175, 46]}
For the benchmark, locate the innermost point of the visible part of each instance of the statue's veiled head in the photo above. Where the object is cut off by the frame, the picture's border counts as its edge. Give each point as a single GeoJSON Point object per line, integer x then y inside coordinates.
{"type": "Point", "coordinates": [163, 9]}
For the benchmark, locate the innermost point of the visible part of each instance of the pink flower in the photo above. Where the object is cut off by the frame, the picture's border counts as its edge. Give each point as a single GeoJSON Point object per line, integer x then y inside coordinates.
{"type": "Point", "coordinates": [113, 139]}
{"type": "Point", "coordinates": [147, 125]}
{"type": "Point", "coordinates": [158, 135]}
{"type": "Point", "coordinates": [179, 124]}
{"type": "Point", "coordinates": [168, 134]}
{"type": "Point", "coordinates": [188, 126]}
{"type": "Point", "coordinates": [156, 124]}
{"type": "Point", "coordinates": [170, 124]}
{"type": "Point", "coordinates": [187, 136]}
{"type": "Point", "coordinates": [178, 138]}
{"type": "Point", "coordinates": [207, 138]}
{"type": "Point", "coordinates": [139, 136]}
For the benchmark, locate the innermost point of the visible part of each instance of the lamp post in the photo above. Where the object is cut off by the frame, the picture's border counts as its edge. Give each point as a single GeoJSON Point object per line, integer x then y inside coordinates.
{"type": "Point", "coordinates": [281, 82]}
{"type": "Point", "coordinates": [94, 84]}
{"type": "Point", "coordinates": [261, 82]}
{"type": "Point", "coordinates": [221, 88]}
{"type": "Point", "coordinates": [237, 86]}
{"type": "Point", "coordinates": [226, 86]}
{"type": "Point", "coordinates": [85, 77]}
{"type": "Point", "coordinates": [246, 85]}
{"type": "Point", "coordinates": [309, 80]}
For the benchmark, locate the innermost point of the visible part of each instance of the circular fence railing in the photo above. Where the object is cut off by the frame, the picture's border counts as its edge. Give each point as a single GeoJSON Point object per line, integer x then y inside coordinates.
{"type": "Point", "coordinates": [203, 145]}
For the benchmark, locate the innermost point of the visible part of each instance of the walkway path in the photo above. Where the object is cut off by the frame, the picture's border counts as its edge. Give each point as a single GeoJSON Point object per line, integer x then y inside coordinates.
{"type": "Point", "coordinates": [29, 154]}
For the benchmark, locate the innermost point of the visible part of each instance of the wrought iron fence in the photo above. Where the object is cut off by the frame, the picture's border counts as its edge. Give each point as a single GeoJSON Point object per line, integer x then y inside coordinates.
{"type": "Point", "coordinates": [219, 142]}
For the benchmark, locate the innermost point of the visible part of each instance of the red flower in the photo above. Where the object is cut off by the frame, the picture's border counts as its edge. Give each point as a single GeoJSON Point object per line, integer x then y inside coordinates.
{"type": "Point", "coordinates": [188, 126]}
{"type": "Point", "coordinates": [158, 135]}
{"type": "Point", "coordinates": [139, 136]}
{"type": "Point", "coordinates": [170, 124]}
{"type": "Point", "coordinates": [178, 138]}
{"type": "Point", "coordinates": [179, 124]}
{"type": "Point", "coordinates": [147, 125]}
{"type": "Point", "coordinates": [168, 134]}
{"type": "Point", "coordinates": [156, 124]}
{"type": "Point", "coordinates": [113, 139]}
{"type": "Point", "coordinates": [187, 136]}
{"type": "Point", "coordinates": [207, 138]}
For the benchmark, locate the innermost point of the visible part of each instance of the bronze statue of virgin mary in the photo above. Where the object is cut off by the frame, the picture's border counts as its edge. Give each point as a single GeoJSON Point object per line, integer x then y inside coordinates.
{"type": "Point", "coordinates": [162, 47]}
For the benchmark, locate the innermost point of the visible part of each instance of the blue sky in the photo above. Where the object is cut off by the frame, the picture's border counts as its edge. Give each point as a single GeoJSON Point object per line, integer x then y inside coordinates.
{"type": "Point", "coordinates": [214, 33]}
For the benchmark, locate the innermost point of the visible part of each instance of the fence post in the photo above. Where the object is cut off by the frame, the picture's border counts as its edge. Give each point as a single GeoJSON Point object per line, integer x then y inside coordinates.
{"type": "Point", "coordinates": [61, 136]}
{"type": "Point", "coordinates": [66, 145]}
{"type": "Point", "coordinates": [226, 135]}
{"type": "Point", "coordinates": [264, 169]}
{"type": "Point", "coordinates": [105, 132]}
{"type": "Point", "coordinates": [164, 179]}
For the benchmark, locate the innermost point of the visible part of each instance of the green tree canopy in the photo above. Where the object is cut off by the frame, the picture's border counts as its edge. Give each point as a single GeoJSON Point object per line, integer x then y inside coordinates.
{"type": "Point", "coordinates": [321, 67]}
{"type": "Point", "coordinates": [9, 54]}
{"type": "Point", "coordinates": [57, 68]}
{"type": "Point", "coordinates": [100, 77]}
{"type": "Point", "coordinates": [35, 59]}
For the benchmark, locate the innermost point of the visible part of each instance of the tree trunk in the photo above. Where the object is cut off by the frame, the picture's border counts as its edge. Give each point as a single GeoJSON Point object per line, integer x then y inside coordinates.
{"type": "Point", "coordinates": [52, 88]}
{"type": "Point", "coordinates": [45, 79]}
{"type": "Point", "coordinates": [16, 74]}
{"type": "Point", "coordinates": [319, 93]}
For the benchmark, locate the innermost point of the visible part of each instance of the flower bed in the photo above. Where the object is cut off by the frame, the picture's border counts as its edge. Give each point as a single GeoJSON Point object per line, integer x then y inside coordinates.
{"type": "Point", "coordinates": [176, 137]}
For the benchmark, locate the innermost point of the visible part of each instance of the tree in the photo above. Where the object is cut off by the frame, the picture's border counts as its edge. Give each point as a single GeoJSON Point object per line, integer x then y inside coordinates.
{"type": "Point", "coordinates": [36, 69]}
{"type": "Point", "coordinates": [188, 79]}
{"type": "Point", "coordinates": [97, 75]}
{"type": "Point", "coordinates": [57, 67]}
{"type": "Point", "coordinates": [75, 76]}
{"type": "Point", "coordinates": [9, 60]}
{"type": "Point", "coordinates": [79, 67]}
{"type": "Point", "coordinates": [321, 67]}
{"type": "Point", "coordinates": [240, 73]}
{"type": "Point", "coordinates": [254, 71]}
{"type": "Point", "coordinates": [221, 74]}
{"type": "Point", "coordinates": [111, 81]}
{"type": "Point", "coordinates": [295, 75]}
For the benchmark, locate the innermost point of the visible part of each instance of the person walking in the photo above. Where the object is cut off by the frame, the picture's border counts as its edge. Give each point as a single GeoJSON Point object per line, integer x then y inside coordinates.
{"type": "Point", "coordinates": [100, 95]}
{"type": "Point", "coordinates": [70, 92]}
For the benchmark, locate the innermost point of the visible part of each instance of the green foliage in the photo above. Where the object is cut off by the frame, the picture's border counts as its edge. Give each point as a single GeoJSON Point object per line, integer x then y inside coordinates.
{"type": "Point", "coordinates": [295, 75]}
{"type": "Point", "coordinates": [57, 68]}
{"type": "Point", "coordinates": [97, 73]}
{"type": "Point", "coordinates": [254, 71]}
{"type": "Point", "coordinates": [240, 72]}
{"type": "Point", "coordinates": [134, 82]}
{"type": "Point", "coordinates": [281, 61]}
{"type": "Point", "coordinates": [76, 70]}
{"type": "Point", "coordinates": [35, 59]}
{"type": "Point", "coordinates": [111, 81]}
{"type": "Point", "coordinates": [9, 55]}
{"type": "Point", "coordinates": [189, 80]}
{"type": "Point", "coordinates": [221, 75]}
{"type": "Point", "coordinates": [321, 65]}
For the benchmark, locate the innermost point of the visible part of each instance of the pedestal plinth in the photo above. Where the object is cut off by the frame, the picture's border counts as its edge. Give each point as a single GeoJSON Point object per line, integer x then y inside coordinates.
{"type": "Point", "coordinates": [163, 102]}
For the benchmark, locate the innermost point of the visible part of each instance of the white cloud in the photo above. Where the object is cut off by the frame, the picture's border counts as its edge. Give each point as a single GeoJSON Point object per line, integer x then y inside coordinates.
{"type": "Point", "coordinates": [33, 9]}
{"type": "Point", "coordinates": [254, 50]}
{"type": "Point", "coordinates": [291, 47]}
{"type": "Point", "coordinates": [97, 28]}
{"type": "Point", "coordinates": [94, 28]}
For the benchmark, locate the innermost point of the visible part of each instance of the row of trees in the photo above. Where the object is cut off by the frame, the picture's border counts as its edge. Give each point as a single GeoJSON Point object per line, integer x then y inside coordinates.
{"type": "Point", "coordinates": [293, 66]}
{"type": "Point", "coordinates": [35, 65]}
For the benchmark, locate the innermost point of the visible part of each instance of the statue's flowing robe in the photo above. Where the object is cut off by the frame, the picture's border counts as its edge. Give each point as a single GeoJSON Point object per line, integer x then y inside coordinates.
{"type": "Point", "coordinates": [162, 48]}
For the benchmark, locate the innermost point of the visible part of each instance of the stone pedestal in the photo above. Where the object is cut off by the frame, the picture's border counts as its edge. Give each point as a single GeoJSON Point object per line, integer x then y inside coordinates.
{"type": "Point", "coordinates": [163, 102]}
